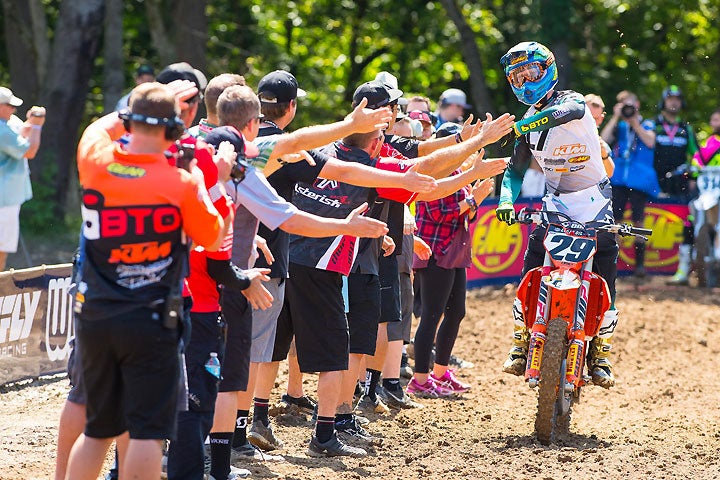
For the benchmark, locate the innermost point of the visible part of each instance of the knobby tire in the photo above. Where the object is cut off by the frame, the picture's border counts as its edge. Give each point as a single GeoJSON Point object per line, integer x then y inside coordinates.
{"type": "Point", "coordinates": [550, 377]}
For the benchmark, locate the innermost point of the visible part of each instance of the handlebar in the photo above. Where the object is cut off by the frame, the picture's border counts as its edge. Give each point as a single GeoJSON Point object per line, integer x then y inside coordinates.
{"type": "Point", "coordinates": [540, 217]}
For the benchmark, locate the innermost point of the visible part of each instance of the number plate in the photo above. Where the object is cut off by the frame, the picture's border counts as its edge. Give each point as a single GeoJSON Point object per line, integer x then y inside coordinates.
{"type": "Point", "coordinates": [568, 247]}
{"type": "Point", "coordinates": [709, 181]}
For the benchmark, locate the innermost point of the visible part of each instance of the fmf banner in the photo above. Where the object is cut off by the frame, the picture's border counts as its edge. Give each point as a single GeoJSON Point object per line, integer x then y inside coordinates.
{"type": "Point", "coordinates": [35, 322]}
{"type": "Point", "coordinates": [498, 249]}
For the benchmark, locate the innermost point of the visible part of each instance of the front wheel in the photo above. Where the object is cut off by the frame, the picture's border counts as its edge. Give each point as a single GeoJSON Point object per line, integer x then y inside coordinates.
{"type": "Point", "coordinates": [552, 376]}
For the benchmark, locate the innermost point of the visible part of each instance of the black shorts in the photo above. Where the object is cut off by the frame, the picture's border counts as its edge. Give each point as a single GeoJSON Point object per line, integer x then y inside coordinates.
{"type": "Point", "coordinates": [237, 314]}
{"type": "Point", "coordinates": [74, 369]}
{"type": "Point", "coordinates": [131, 371]}
{"type": "Point", "coordinates": [401, 331]}
{"type": "Point", "coordinates": [318, 314]}
{"type": "Point", "coordinates": [623, 195]}
{"type": "Point", "coordinates": [206, 337]}
{"type": "Point", "coordinates": [284, 334]}
{"type": "Point", "coordinates": [389, 290]}
{"type": "Point", "coordinates": [364, 314]}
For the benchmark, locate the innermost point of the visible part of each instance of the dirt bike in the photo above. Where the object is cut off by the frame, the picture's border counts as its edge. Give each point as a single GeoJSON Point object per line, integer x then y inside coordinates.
{"type": "Point", "coordinates": [563, 303]}
{"type": "Point", "coordinates": [708, 183]}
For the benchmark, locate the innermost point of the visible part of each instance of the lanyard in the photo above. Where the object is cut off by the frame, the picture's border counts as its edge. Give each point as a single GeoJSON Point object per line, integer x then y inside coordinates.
{"type": "Point", "coordinates": [670, 132]}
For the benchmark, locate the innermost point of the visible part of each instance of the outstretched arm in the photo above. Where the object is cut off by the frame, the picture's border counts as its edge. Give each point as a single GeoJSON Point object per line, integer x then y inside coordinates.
{"type": "Point", "coordinates": [550, 117]}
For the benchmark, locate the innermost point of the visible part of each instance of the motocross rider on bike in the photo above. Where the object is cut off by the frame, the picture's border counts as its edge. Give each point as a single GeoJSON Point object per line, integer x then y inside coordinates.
{"type": "Point", "coordinates": [559, 132]}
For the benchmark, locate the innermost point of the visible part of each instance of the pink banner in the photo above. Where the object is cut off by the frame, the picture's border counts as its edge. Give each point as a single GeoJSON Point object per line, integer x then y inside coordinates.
{"type": "Point", "coordinates": [498, 249]}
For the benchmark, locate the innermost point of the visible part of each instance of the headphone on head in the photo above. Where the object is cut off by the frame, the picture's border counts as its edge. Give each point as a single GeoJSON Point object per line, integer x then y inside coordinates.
{"type": "Point", "coordinates": [174, 126]}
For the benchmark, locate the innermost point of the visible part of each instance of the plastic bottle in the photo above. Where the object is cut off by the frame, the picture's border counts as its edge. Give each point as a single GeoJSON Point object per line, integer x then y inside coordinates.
{"type": "Point", "coordinates": [213, 365]}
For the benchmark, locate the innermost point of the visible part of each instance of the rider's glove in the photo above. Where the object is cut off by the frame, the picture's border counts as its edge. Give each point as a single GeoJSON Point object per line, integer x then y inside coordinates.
{"type": "Point", "coordinates": [505, 212]}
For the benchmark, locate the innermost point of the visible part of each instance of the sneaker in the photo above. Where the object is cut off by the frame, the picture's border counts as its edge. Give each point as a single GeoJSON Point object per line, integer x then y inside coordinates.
{"type": "Point", "coordinates": [367, 404]}
{"type": "Point", "coordinates": [450, 381]}
{"type": "Point", "coordinates": [235, 473]}
{"type": "Point", "coordinates": [397, 399]}
{"type": "Point", "coordinates": [249, 451]}
{"type": "Point", "coordinates": [430, 389]}
{"type": "Point", "coordinates": [303, 405]}
{"type": "Point", "coordinates": [458, 362]}
{"type": "Point", "coordinates": [333, 448]}
{"type": "Point", "coordinates": [262, 436]}
{"type": "Point", "coordinates": [406, 370]}
{"type": "Point", "coordinates": [351, 430]}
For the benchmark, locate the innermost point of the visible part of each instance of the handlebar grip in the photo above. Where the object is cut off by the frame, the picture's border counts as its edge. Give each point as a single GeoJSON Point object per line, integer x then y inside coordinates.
{"type": "Point", "coordinates": [642, 231]}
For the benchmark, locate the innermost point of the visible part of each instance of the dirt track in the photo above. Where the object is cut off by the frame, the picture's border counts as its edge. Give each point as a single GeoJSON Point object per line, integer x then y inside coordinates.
{"type": "Point", "coordinates": [661, 421]}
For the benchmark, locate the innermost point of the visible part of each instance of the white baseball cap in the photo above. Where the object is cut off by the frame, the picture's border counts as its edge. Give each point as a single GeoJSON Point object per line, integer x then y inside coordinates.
{"type": "Point", "coordinates": [7, 97]}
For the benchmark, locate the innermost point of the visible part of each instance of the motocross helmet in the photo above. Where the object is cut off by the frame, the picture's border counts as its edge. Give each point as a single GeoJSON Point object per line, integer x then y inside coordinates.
{"type": "Point", "coordinates": [671, 91]}
{"type": "Point", "coordinates": [531, 71]}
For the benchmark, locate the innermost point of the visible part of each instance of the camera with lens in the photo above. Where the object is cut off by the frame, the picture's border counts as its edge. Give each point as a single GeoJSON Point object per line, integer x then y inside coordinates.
{"type": "Point", "coordinates": [185, 155]}
{"type": "Point", "coordinates": [239, 169]}
{"type": "Point", "coordinates": [628, 111]}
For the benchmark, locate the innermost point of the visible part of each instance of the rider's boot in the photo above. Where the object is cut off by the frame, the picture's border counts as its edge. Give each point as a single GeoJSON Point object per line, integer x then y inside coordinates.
{"type": "Point", "coordinates": [681, 276]}
{"type": "Point", "coordinates": [599, 355]}
{"type": "Point", "coordinates": [517, 357]}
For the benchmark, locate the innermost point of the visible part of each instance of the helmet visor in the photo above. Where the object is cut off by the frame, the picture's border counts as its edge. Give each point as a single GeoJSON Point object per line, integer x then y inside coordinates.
{"type": "Point", "coordinates": [531, 72]}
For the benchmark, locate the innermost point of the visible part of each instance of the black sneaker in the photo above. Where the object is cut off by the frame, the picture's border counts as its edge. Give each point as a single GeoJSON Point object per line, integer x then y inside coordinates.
{"type": "Point", "coordinates": [263, 437]}
{"type": "Point", "coordinates": [249, 451]}
{"type": "Point", "coordinates": [397, 399]}
{"type": "Point", "coordinates": [351, 430]}
{"type": "Point", "coordinates": [458, 362]}
{"type": "Point", "coordinates": [333, 448]}
{"type": "Point", "coordinates": [303, 405]}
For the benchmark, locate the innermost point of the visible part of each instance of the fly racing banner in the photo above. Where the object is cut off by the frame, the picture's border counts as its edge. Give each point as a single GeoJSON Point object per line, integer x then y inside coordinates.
{"type": "Point", "coordinates": [35, 322]}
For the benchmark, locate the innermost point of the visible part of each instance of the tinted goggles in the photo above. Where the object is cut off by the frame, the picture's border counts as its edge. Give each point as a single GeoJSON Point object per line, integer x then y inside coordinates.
{"type": "Point", "coordinates": [530, 72]}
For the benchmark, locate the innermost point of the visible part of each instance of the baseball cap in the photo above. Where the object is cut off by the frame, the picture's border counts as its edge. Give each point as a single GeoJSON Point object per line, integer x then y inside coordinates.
{"type": "Point", "coordinates": [145, 70]}
{"type": "Point", "coordinates": [391, 80]}
{"type": "Point", "coordinates": [182, 71]}
{"type": "Point", "coordinates": [420, 115]}
{"type": "Point", "coordinates": [447, 129]}
{"type": "Point", "coordinates": [377, 93]}
{"type": "Point", "coordinates": [7, 97]}
{"type": "Point", "coordinates": [231, 134]}
{"type": "Point", "coordinates": [454, 96]}
{"type": "Point", "coordinates": [279, 87]}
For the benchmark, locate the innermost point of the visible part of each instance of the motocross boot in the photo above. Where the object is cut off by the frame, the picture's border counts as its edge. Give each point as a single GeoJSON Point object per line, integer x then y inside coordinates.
{"type": "Point", "coordinates": [517, 356]}
{"type": "Point", "coordinates": [599, 362]}
{"type": "Point", "coordinates": [681, 276]}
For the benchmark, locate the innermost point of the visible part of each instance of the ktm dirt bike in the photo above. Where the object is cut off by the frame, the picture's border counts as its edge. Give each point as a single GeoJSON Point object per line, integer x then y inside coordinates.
{"type": "Point", "coordinates": [563, 303]}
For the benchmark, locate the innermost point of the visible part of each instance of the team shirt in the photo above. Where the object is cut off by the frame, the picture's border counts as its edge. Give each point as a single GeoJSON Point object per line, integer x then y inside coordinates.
{"type": "Point", "coordinates": [333, 199]}
{"type": "Point", "coordinates": [135, 210]}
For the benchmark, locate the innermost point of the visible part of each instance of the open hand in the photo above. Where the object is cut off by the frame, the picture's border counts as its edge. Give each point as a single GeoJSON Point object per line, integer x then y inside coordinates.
{"type": "Point", "coordinates": [365, 120]}
{"type": "Point", "coordinates": [360, 226]}
{"type": "Point", "coordinates": [417, 182]}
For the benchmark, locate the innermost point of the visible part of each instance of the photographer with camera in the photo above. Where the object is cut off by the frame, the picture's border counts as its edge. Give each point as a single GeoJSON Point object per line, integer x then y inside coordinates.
{"type": "Point", "coordinates": [634, 180]}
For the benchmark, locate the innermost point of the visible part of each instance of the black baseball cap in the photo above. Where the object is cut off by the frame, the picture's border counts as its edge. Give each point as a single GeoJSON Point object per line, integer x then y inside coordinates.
{"type": "Point", "coordinates": [447, 129]}
{"type": "Point", "coordinates": [231, 134]}
{"type": "Point", "coordinates": [145, 70]}
{"type": "Point", "coordinates": [378, 94]}
{"type": "Point", "coordinates": [182, 71]}
{"type": "Point", "coordinates": [279, 87]}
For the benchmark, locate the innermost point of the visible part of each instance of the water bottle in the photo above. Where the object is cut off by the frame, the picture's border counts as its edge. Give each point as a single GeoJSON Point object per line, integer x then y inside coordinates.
{"type": "Point", "coordinates": [213, 365]}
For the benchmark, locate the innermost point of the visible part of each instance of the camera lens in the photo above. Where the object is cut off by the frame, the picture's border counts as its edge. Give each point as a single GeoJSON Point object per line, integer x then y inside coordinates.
{"type": "Point", "coordinates": [628, 111]}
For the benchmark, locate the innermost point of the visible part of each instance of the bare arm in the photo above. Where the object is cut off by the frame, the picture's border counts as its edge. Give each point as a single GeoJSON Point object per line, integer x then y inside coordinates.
{"type": "Point", "coordinates": [32, 129]}
{"type": "Point", "coordinates": [364, 176]}
{"type": "Point", "coordinates": [450, 185]}
{"type": "Point", "coordinates": [309, 225]}
{"type": "Point", "coordinates": [645, 136]}
{"type": "Point", "coordinates": [361, 120]}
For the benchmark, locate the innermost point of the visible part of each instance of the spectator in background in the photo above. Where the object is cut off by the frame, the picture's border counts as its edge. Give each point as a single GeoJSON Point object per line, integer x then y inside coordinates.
{"type": "Point", "coordinates": [597, 110]}
{"type": "Point", "coordinates": [214, 88]}
{"type": "Point", "coordinates": [452, 106]}
{"type": "Point", "coordinates": [675, 144]}
{"type": "Point", "coordinates": [18, 143]}
{"type": "Point", "coordinates": [634, 180]}
{"type": "Point", "coordinates": [143, 74]}
{"type": "Point", "coordinates": [424, 118]}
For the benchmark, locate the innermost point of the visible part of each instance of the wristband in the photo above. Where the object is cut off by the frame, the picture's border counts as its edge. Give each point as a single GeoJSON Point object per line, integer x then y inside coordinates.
{"type": "Point", "coordinates": [472, 203]}
{"type": "Point", "coordinates": [458, 138]}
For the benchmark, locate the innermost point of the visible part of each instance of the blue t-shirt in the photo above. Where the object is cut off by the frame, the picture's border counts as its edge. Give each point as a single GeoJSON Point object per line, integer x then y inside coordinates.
{"type": "Point", "coordinates": [634, 160]}
{"type": "Point", "coordinates": [15, 186]}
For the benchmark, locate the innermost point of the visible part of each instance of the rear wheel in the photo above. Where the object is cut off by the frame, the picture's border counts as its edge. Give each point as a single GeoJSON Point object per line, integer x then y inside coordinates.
{"type": "Point", "coordinates": [551, 376]}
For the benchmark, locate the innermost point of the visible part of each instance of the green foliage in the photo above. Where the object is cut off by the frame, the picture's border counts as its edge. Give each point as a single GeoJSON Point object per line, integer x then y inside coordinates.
{"type": "Point", "coordinates": [39, 216]}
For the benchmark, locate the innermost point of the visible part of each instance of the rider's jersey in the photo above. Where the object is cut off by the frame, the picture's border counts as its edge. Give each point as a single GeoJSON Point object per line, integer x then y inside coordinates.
{"type": "Point", "coordinates": [568, 152]}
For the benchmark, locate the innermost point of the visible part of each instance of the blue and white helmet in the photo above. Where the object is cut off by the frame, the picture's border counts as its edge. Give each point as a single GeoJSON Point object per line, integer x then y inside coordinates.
{"type": "Point", "coordinates": [531, 71]}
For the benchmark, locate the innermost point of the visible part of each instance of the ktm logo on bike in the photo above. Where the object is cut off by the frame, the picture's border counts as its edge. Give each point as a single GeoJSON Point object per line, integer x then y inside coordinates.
{"type": "Point", "coordinates": [661, 250]}
{"type": "Point", "coordinates": [495, 244]}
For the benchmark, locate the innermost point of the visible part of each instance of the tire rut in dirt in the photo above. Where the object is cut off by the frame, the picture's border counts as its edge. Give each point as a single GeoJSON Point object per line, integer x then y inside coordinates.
{"type": "Point", "coordinates": [553, 355]}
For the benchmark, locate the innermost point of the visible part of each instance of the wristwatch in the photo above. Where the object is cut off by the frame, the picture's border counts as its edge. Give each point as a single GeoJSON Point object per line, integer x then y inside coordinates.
{"type": "Point", "coordinates": [472, 203]}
